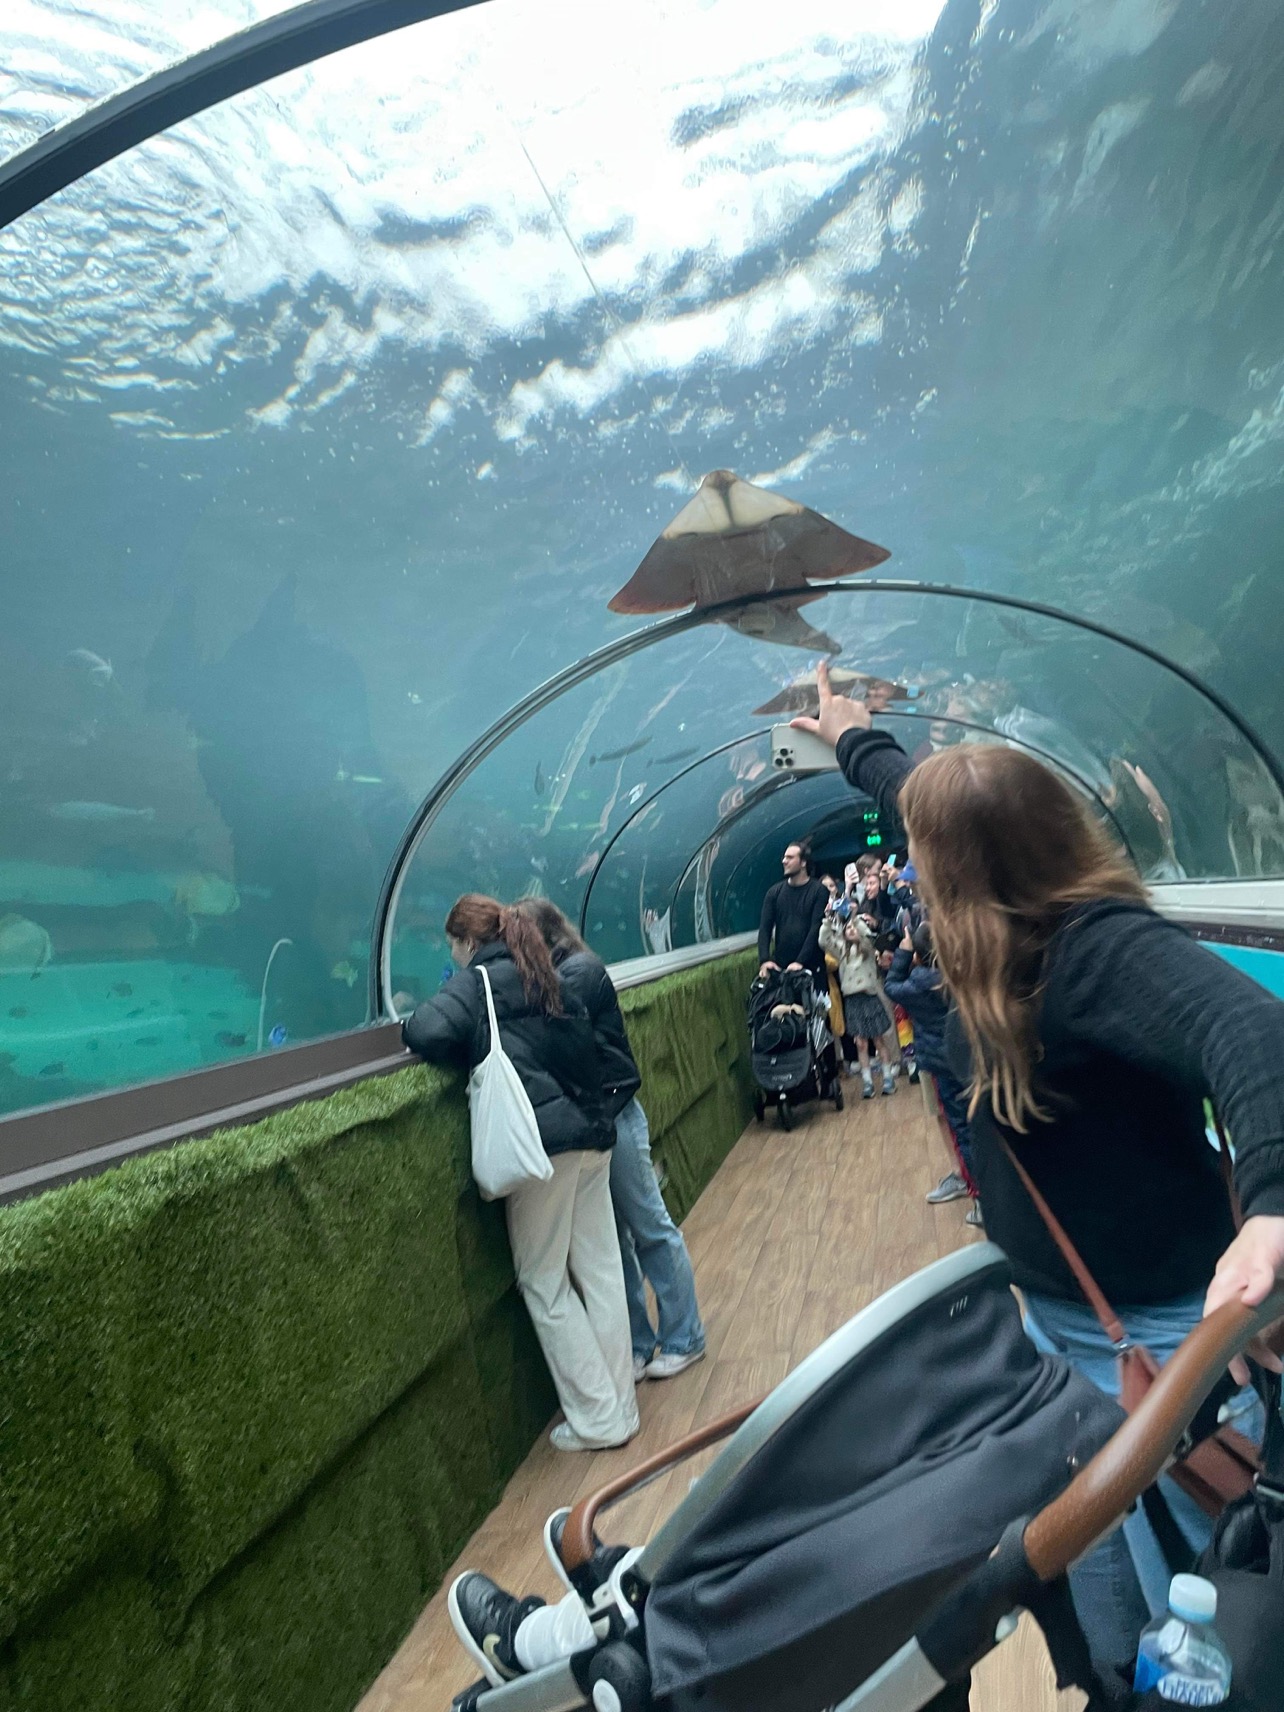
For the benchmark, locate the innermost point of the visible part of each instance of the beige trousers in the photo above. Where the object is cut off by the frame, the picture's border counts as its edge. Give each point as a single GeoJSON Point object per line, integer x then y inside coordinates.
{"type": "Point", "coordinates": [567, 1257]}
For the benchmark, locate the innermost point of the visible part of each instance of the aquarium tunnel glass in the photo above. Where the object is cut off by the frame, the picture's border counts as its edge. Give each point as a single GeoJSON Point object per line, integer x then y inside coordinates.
{"type": "Point", "coordinates": [335, 417]}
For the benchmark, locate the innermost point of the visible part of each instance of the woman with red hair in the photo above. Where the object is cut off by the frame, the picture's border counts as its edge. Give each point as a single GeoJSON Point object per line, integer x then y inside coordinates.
{"type": "Point", "coordinates": [565, 1249]}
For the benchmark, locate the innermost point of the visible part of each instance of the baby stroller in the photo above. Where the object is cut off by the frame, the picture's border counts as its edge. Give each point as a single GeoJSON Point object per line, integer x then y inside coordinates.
{"type": "Point", "coordinates": [865, 1538]}
{"type": "Point", "coordinates": [792, 1050]}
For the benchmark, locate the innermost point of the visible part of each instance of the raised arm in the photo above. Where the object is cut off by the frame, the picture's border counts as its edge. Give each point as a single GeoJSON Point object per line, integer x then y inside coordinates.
{"type": "Point", "coordinates": [872, 761]}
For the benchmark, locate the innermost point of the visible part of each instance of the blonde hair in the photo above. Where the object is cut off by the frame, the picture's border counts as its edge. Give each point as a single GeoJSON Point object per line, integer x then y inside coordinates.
{"type": "Point", "coordinates": [1003, 850]}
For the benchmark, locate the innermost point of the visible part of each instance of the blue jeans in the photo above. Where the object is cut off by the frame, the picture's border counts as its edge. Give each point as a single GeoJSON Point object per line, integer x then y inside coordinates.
{"type": "Point", "coordinates": [954, 1101]}
{"type": "Point", "coordinates": [651, 1245]}
{"type": "Point", "coordinates": [1123, 1583]}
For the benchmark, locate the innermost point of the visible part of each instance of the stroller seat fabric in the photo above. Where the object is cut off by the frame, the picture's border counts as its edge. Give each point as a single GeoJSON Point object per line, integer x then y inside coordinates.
{"type": "Point", "coordinates": [879, 1493]}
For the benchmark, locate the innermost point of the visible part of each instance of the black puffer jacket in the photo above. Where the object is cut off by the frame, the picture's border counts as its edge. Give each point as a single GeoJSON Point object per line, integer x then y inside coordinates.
{"type": "Point", "coordinates": [584, 974]}
{"type": "Point", "coordinates": [556, 1057]}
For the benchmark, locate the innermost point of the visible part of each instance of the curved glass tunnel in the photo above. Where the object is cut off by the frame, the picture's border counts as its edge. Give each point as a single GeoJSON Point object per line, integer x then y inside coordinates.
{"type": "Point", "coordinates": [328, 440]}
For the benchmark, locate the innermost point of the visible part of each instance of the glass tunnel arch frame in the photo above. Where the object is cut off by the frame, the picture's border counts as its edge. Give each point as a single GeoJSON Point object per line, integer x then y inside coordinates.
{"type": "Point", "coordinates": [624, 647]}
{"type": "Point", "coordinates": [298, 37]}
{"type": "Point", "coordinates": [750, 804]}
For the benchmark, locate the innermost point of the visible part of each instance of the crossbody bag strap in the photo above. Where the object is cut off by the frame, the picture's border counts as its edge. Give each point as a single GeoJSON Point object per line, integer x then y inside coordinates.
{"type": "Point", "coordinates": [1227, 1168]}
{"type": "Point", "coordinates": [1111, 1324]}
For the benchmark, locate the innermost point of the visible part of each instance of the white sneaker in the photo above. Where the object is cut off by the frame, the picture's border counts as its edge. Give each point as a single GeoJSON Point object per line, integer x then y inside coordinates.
{"type": "Point", "coordinates": [667, 1366]}
{"type": "Point", "coordinates": [952, 1187]}
{"type": "Point", "coordinates": [564, 1437]}
{"type": "Point", "coordinates": [639, 1369]}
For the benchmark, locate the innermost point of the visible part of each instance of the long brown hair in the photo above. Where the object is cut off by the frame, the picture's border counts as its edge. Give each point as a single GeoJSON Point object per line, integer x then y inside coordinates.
{"type": "Point", "coordinates": [1003, 849]}
{"type": "Point", "coordinates": [555, 927]}
{"type": "Point", "coordinates": [484, 920]}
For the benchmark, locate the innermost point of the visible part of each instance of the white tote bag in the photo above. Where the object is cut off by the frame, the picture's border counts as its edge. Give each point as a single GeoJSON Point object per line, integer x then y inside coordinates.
{"type": "Point", "coordinates": [507, 1150]}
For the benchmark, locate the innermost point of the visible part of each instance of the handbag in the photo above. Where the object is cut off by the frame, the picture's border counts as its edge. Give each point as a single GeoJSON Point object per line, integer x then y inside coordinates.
{"type": "Point", "coordinates": [507, 1150]}
{"type": "Point", "coordinates": [1214, 1465]}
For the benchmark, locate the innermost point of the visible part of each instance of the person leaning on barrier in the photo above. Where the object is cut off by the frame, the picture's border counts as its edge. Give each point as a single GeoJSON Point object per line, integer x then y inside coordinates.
{"type": "Point", "coordinates": [1091, 1032]}
{"type": "Point", "coordinates": [563, 1229]}
{"type": "Point", "coordinates": [651, 1245]}
{"type": "Point", "coordinates": [789, 931]}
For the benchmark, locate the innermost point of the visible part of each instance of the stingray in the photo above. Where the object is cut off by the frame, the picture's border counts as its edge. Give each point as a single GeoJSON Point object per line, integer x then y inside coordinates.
{"type": "Point", "coordinates": [802, 696]}
{"type": "Point", "coordinates": [733, 538]}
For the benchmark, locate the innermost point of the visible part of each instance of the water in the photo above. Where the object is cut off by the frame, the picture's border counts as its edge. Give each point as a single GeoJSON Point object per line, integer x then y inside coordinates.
{"type": "Point", "coordinates": [333, 420]}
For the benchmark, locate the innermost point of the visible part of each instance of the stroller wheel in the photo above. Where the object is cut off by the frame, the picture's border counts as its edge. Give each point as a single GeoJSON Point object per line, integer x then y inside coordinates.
{"type": "Point", "coordinates": [759, 1107]}
{"type": "Point", "coordinates": [618, 1679]}
{"type": "Point", "coordinates": [836, 1094]}
{"type": "Point", "coordinates": [786, 1113]}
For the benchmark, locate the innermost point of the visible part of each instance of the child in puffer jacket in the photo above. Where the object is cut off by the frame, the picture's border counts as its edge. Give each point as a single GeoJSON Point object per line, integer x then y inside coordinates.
{"type": "Point", "coordinates": [851, 944]}
{"type": "Point", "coordinates": [914, 983]}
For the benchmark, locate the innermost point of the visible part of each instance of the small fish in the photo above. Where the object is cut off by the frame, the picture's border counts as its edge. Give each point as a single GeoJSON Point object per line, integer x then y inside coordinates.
{"type": "Point", "coordinates": [346, 972]}
{"type": "Point", "coordinates": [148, 1040]}
{"type": "Point", "coordinates": [541, 784]}
{"type": "Point", "coordinates": [635, 795]}
{"type": "Point", "coordinates": [619, 754]}
{"type": "Point", "coordinates": [19, 1011]}
{"type": "Point", "coordinates": [123, 990]}
{"type": "Point", "coordinates": [99, 812]}
{"type": "Point", "coordinates": [138, 1010]}
{"type": "Point", "coordinates": [57, 1068]}
{"type": "Point", "coordinates": [366, 779]}
{"type": "Point", "coordinates": [678, 755]}
{"type": "Point", "coordinates": [540, 864]}
{"type": "Point", "coordinates": [217, 1016]}
{"type": "Point", "coordinates": [96, 668]}
{"type": "Point", "coordinates": [224, 1038]}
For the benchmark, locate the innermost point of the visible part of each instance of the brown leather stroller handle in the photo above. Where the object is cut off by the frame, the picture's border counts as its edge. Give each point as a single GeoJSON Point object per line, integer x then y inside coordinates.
{"type": "Point", "coordinates": [577, 1539]}
{"type": "Point", "coordinates": [1103, 1492]}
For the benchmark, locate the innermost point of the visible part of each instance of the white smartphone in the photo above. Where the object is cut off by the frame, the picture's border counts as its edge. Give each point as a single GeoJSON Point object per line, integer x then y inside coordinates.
{"type": "Point", "coordinates": [800, 752]}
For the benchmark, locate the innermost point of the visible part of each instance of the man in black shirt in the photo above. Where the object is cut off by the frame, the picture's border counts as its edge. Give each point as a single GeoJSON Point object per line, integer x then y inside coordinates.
{"type": "Point", "coordinates": [791, 912]}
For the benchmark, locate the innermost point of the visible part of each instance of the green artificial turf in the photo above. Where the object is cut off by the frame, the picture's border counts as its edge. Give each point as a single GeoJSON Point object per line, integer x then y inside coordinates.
{"type": "Point", "coordinates": [256, 1392]}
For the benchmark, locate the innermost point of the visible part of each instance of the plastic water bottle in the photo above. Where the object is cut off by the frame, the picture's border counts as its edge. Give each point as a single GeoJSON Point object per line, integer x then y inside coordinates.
{"type": "Point", "coordinates": [1181, 1655]}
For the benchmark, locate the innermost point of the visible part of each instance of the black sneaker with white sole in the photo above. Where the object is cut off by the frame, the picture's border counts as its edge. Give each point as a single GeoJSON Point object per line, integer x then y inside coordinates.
{"type": "Point", "coordinates": [589, 1576]}
{"type": "Point", "coordinates": [487, 1619]}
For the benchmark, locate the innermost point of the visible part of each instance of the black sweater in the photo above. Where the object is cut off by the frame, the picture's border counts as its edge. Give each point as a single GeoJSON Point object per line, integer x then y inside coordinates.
{"type": "Point", "coordinates": [794, 914]}
{"type": "Point", "coordinates": [556, 1057]}
{"type": "Point", "coordinates": [1138, 1025]}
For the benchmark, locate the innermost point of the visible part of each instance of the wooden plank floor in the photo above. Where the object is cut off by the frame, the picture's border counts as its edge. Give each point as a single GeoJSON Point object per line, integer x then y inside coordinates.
{"type": "Point", "coordinates": [793, 1236]}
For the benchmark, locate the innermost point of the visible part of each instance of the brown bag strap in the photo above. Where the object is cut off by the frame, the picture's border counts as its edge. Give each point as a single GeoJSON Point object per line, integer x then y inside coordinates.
{"type": "Point", "coordinates": [1227, 1169]}
{"type": "Point", "coordinates": [1111, 1324]}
